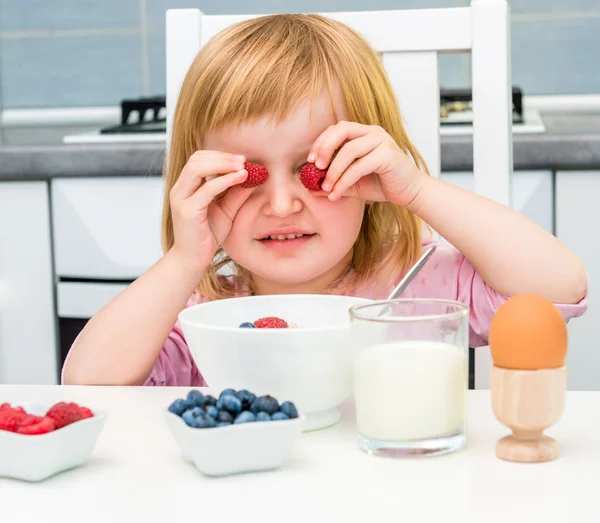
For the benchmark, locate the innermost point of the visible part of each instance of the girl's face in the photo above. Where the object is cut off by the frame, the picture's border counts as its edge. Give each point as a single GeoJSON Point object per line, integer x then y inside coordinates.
{"type": "Point", "coordinates": [283, 206]}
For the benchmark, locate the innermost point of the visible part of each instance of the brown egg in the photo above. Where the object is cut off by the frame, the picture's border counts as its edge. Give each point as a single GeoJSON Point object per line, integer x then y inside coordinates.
{"type": "Point", "coordinates": [528, 333]}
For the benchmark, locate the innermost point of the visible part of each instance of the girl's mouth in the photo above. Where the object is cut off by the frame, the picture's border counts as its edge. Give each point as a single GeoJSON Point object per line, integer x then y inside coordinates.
{"type": "Point", "coordinates": [285, 237]}
{"type": "Point", "coordinates": [286, 241]}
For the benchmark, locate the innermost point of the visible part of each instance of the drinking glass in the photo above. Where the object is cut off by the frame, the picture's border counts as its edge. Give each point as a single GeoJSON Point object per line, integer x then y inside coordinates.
{"type": "Point", "coordinates": [411, 376]}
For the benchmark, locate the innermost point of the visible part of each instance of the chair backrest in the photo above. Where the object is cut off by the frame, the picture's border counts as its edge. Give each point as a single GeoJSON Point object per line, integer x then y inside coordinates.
{"type": "Point", "coordinates": [409, 42]}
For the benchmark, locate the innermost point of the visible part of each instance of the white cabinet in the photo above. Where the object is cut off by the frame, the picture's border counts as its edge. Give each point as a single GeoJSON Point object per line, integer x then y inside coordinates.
{"type": "Point", "coordinates": [577, 221]}
{"type": "Point", "coordinates": [27, 321]}
{"type": "Point", "coordinates": [106, 228]}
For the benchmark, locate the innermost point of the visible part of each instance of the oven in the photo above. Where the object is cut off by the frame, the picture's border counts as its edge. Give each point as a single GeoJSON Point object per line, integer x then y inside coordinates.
{"type": "Point", "coordinates": [106, 233]}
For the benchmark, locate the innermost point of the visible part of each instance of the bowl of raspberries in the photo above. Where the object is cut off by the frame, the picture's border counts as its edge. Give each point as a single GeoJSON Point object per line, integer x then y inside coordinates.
{"type": "Point", "coordinates": [236, 432]}
{"type": "Point", "coordinates": [291, 346]}
{"type": "Point", "coordinates": [38, 441]}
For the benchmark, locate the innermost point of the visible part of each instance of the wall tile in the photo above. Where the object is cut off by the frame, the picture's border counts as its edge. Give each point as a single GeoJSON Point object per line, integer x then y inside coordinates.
{"type": "Point", "coordinates": [156, 49]}
{"type": "Point", "coordinates": [70, 71]}
{"type": "Point", "coordinates": [157, 8]}
{"type": "Point", "coordinates": [556, 56]}
{"type": "Point", "coordinates": [455, 71]}
{"type": "Point", "coordinates": [52, 15]}
{"type": "Point", "coordinates": [554, 6]}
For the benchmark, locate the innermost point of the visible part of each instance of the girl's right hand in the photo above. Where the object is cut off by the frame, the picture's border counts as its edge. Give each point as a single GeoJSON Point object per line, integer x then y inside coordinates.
{"type": "Point", "coordinates": [204, 202]}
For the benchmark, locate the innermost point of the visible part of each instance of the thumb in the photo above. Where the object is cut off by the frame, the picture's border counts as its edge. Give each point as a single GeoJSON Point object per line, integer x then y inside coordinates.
{"type": "Point", "coordinates": [233, 200]}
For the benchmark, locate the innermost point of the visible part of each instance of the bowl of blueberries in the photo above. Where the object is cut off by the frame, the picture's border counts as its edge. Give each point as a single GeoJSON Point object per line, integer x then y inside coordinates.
{"type": "Point", "coordinates": [291, 346]}
{"type": "Point", "coordinates": [236, 432]}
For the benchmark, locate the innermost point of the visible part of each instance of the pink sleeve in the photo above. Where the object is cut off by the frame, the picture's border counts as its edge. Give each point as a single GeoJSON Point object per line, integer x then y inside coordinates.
{"type": "Point", "coordinates": [175, 366]}
{"type": "Point", "coordinates": [484, 301]}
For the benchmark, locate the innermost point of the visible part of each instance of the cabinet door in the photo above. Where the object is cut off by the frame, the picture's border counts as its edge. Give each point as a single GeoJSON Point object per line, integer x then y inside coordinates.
{"type": "Point", "coordinates": [577, 219]}
{"type": "Point", "coordinates": [27, 321]}
{"type": "Point", "coordinates": [532, 195]}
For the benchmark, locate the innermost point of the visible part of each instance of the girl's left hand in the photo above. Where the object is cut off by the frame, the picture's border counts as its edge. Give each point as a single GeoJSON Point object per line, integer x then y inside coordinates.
{"type": "Point", "coordinates": [369, 164]}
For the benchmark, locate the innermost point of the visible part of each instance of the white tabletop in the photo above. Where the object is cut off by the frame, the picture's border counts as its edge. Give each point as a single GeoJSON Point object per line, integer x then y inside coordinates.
{"type": "Point", "coordinates": [136, 473]}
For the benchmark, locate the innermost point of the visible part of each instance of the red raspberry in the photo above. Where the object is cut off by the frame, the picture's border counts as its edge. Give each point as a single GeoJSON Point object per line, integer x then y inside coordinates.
{"type": "Point", "coordinates": [64, 414]}
{"type": "Point", "coordinates": [85, 413]}
{"type": "Point", "coordinates": [312, 177]}
{"type": "Point", "coordinates": [257, 175]}
{"type": "Point", "coordinates": [11, 419]}
{"type": "Point", "coordinates": [271, 323]}
{"type": "Point", "coordinates": [36, 425]}
{"type": "Point", "coordinates": [5, 406]}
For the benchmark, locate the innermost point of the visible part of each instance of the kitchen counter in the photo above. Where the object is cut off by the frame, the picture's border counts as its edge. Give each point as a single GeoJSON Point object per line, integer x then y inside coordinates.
{"type": "Point", "coordinates": [136, 472]}
{"type": "Point", "coordinates": [572, 141]}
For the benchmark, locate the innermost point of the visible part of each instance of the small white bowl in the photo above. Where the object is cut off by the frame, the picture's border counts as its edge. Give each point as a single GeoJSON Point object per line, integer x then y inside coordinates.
{"type": "Point", "coordinates": [235, 449]}
{"type": "Point", "coordinates": [311, 365]}
{"type": "Point", "coordinates": [37, 457]}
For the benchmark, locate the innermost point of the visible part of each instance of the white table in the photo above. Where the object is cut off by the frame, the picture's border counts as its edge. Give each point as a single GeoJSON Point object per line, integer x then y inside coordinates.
{"type": "Point", "coordinates": [136, 473]}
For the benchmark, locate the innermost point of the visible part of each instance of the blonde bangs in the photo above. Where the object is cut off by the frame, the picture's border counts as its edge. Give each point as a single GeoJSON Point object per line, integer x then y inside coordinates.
{"type": "Point", "coordinates": [267, 66]}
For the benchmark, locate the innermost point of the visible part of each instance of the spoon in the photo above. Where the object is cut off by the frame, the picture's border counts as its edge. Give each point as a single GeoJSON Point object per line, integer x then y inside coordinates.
{"type": "Point", "coordinates": [409, 276]}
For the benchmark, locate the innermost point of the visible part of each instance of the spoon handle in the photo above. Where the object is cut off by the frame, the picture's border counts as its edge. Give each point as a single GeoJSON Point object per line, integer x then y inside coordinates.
{"type": "Point", "coordinates": [410, 275]}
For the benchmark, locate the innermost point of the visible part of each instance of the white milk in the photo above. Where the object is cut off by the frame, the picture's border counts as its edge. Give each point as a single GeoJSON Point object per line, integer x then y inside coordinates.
{"type": "Point", "coordinates": [410, 390]}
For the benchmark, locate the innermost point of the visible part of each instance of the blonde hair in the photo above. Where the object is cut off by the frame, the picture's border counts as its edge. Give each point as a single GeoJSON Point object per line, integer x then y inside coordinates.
{"type": "Point", "coordinates": [267, 66]}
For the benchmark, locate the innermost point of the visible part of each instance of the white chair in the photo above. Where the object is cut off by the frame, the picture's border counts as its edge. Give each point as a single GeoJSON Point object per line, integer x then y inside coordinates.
{"type": "Point", "coordinates": [410, 42]}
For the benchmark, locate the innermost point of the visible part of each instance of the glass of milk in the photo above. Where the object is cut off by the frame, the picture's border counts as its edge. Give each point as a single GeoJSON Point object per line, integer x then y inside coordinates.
{"type": "Point", "coordinates": [411, 376]}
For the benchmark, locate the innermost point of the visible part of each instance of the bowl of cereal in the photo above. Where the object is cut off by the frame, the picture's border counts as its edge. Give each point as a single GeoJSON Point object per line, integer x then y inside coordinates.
{"type": "Point", "coordinates": [291, 346]}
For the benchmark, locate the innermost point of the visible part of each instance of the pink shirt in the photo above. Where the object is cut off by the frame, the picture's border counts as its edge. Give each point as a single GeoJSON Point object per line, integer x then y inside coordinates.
{"type": "Point", "coordinates": [447, 275]}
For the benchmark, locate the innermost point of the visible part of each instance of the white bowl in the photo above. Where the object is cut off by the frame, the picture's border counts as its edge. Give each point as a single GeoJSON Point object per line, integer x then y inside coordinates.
{"type": "Point", "coordinates": [310, 365]}
{"type": "Point", "coordinates": [235, 449]}
{"type": "Point", "coordinates": [37, 457]}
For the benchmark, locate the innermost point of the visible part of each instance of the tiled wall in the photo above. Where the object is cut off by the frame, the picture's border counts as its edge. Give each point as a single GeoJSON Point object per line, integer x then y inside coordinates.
{"type": "Point", "coordinates": [89, 52]}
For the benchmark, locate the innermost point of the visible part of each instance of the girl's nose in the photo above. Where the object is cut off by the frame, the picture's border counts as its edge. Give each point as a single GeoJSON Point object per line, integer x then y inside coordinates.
{"type": "Point", "coordinates": [282, 196]}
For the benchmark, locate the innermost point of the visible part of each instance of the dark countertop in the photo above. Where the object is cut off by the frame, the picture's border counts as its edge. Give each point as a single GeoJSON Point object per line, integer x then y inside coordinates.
{"type": "Point", "coordinates": [572, 142]}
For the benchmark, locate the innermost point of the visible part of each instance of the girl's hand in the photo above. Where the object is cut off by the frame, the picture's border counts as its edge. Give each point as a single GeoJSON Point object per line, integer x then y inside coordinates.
{"type": "Point", "coordinates": [369, 164]}
{"type": "Point", "coordinates": [204, 202]}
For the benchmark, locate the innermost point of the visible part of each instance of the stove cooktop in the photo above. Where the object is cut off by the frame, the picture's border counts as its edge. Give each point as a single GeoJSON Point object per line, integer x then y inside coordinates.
{"type": "Point", "coordinates": [143, 119]}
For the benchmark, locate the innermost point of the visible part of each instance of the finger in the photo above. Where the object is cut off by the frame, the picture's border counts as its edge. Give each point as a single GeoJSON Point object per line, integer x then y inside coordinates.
{"type": "Point", "coordinates": [350, 152]}
{"type": "Point", "coordinates": [312, 154]}
{"type": "Point", "coordinates": [232, 201]}
{"type": "Point", "coordinates": [362, 167]}
{"type": "Point", "coordinates": [210, 190]}
{"type": "Point", "coordinates": [335, 138]}
{"type": "Point", "coordinates": [195, 171]}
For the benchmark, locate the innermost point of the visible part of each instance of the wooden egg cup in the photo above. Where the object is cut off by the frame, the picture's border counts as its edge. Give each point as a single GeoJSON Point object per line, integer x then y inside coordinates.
{"type": "Point", "coordinates": [528, 402]}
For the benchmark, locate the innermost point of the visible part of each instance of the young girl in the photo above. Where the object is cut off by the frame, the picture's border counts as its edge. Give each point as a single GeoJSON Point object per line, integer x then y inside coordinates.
{"type": "Point", "coordinates": [281, 91]}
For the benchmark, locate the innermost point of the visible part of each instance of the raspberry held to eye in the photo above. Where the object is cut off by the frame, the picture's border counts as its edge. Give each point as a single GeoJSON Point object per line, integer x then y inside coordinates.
{"type": "Point", "coordinates": [257, 175]}
{"type": "Point", "coordinates": [312, 177]}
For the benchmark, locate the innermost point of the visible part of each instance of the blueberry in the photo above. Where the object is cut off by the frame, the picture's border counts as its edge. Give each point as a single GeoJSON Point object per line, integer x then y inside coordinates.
{"type": "Point", "coordinates": [279, 416]}
{"type": "Point", "coordinates": [263, 416]}
{"type": "Point", "coordinates": [266, 404]}
{"type": "Point", "coordinates": [289, 409]}
{"type": "Point", "coordinates": [224, 416]}
{"type": "Point", "coordinates": [247, 325]}
{"type": "Point", "coordinates": [179, 406]}
{"type": "Point", "coordinates": [212, 411]}
{"type": "Point", "coordinates": [223, 423]}
{"type": "Point", "coordinates": [246, 397]}
{"type": "Point", "coordinates": [245, 417]}
{"type": "Point", "coordinates": [210, 400]}
{"type": "Point", "coordinates": [197, 418]}
{"type": "Point", "coordinates": [205, 422]}
{"type": "Point", "coordinates": [227, 392]}
{"type": "Point", "coordinates": [190, 415]}
{"type": "Point", "coordinates": [230, 403]}
{"type": "Point", "coordinates": [196, 398]}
